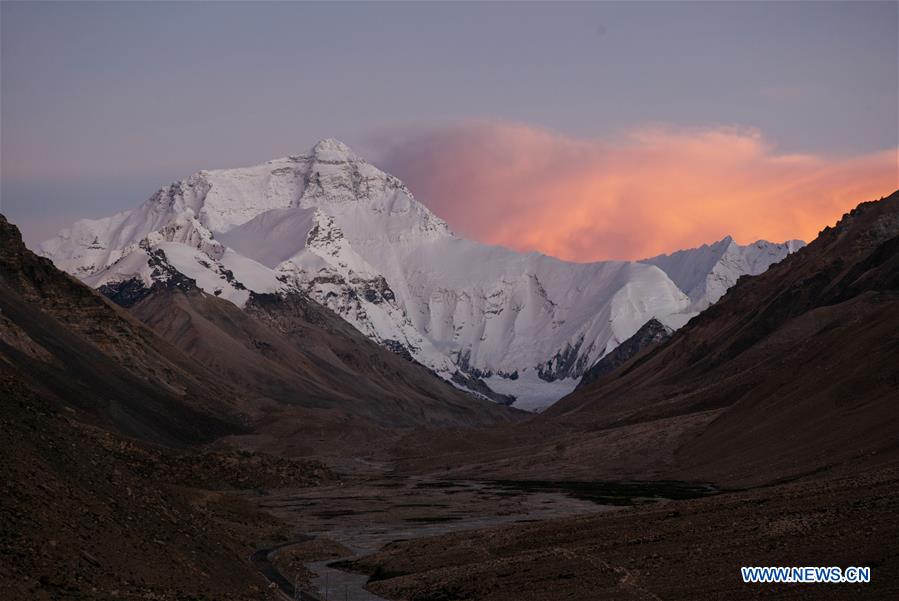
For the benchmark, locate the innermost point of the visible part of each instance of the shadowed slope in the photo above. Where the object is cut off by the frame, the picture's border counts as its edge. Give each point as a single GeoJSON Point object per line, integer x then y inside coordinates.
{"type": "Point", "coordinates": [801, 362]}
{"type": "Point", "coordinates": [288, 349]}
{"type": "Point", "coordinates": [66, 341]}
{"type": "Point", "coordinates": [792, 373]}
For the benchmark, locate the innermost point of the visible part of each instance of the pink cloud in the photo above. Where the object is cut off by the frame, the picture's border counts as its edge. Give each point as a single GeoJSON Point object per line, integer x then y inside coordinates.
{"type": "Point", "coordinates": [654, 190]}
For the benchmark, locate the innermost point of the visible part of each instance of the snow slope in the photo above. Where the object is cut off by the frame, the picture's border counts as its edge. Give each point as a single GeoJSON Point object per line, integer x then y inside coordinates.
{"type": "Point", "coordinates": [706, 273]}
{"type": "Point", "coordinates": [354, 239]}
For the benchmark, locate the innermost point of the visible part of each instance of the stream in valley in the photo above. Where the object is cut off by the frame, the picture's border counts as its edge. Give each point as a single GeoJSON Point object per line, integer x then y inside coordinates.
{"type": "Point", "coordinates": [364, 516]}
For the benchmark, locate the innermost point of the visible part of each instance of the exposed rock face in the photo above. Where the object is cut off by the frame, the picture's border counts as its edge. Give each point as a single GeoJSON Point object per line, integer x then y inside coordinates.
{"type": "Point", "coordinates": [652, 332]}
{"type": "Point", "coordinates": [127, 293]}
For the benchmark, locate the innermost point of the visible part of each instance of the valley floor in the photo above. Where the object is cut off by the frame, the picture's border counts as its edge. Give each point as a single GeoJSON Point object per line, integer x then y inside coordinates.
{"type": "Point", "coordinates": [426, 539]}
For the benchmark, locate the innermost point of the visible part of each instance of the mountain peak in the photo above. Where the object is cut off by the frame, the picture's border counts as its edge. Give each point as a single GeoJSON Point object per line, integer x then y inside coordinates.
{"type": "Point", "coordinates": [706, 272]}
{"type": "Point", "coordinates": [331, 149]}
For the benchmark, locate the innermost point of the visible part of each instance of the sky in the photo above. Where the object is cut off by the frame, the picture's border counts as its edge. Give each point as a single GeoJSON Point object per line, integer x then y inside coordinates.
{"type": "Point", "coordinates": [587, 131]}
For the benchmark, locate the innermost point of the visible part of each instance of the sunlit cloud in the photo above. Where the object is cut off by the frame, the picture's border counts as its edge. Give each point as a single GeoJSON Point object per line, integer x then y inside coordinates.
{"type": "Point", "coordinates": [652, 190]}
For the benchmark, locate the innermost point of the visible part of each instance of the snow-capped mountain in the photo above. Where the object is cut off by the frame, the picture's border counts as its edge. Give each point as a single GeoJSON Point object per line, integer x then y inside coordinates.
{"type": "Point", "coordinates": [705, 273]}
{"type": "Point", "coordinates": [353, 238]}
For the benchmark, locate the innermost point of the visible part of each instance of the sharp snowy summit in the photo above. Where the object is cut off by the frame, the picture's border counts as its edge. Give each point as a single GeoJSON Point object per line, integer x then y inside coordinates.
{"type": "Point", "coordinates": [499, 323]}
{"type": "Point", "coordinates": [705, 273]}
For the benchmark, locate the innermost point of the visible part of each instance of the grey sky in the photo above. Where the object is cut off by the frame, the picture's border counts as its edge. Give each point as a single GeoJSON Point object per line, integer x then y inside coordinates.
{"type": "Point", "coordinates": [104, 102]}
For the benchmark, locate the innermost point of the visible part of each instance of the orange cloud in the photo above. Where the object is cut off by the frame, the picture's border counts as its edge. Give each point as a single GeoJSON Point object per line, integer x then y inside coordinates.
{"type": "Point", "coordinates": [655, 190]}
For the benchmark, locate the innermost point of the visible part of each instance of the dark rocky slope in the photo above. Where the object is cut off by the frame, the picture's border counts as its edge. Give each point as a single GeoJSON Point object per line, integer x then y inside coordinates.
{"type": "Point", "coordinates": [792, 374]}
{"type": "Point", "coordinates": [289, 350]}
{"type": "Point", "coordinates": [92, 507]}
{"type": "Point", "coordinates": [87, 514]}
{"type": "Point", "coordinates": [652, 332]}
{"type": "Point", "coordinates": [800, 363]}
{"type": "Point", "coordinates": [788, 386]}
{"type": "Point", "coordinates": [65, 341]}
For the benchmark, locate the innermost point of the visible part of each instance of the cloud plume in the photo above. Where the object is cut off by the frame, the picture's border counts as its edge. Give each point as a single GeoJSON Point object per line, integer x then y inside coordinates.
{"type": "Point", "coordinates": [653, 190]}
